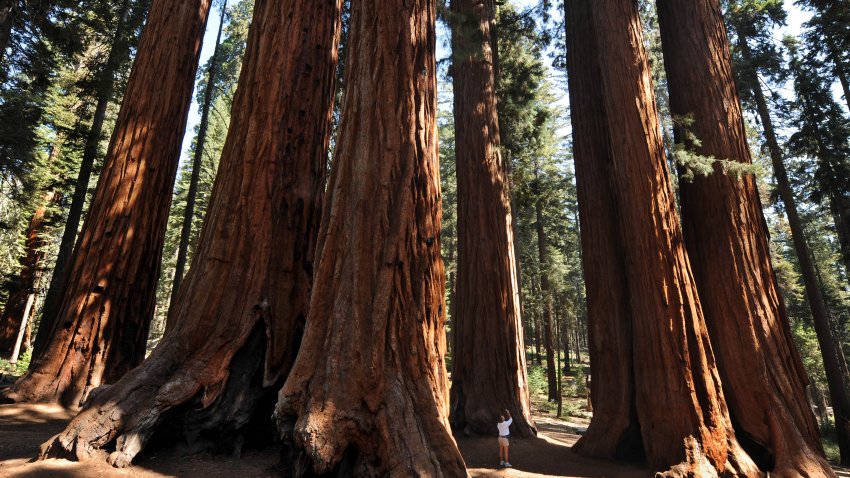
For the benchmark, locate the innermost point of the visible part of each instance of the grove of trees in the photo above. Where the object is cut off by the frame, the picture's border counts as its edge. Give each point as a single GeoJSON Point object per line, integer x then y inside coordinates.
{"type": "Point", "coordinates": [359, 230]}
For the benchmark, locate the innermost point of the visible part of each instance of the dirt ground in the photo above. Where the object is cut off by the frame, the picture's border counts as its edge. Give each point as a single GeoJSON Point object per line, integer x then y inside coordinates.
{"type": "Point", "coordinates": [24, 427]}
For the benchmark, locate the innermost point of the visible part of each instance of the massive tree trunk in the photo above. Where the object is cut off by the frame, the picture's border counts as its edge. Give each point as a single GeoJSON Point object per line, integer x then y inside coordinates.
{"type": "Point", "coordinates": [107, 303]}
{"type": "Point", "coordinates": [829, 351]}
{"type": "Point", "coordinates": [242, 307]}
{"type": "Point", "coordinates": [726, 239]}
{"type": "Point", "coordinates": [19, 304]}
{"type": "Point", "coordinates": [488, 365]}
{"type": "Point", "coordinates": [614, 431]}
{"type": "Point", "coordinates": [8, 12]}
{"type": "Point", "coordinates": [680, 405]}
{"type": "Point", "coordinates": [368, 394]}
{"type": "Point", "coordinates": [189, 212]}
{"type": "Point", "coordinates": [118, 52]}
{"type": "Point", "coordinates": [546, 292]}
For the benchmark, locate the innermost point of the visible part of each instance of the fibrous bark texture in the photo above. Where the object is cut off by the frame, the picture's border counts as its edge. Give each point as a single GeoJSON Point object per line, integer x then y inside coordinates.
{"type": "Point", "coordinates": [838, 392]}
{"type": "Point", "coordinates": [16, 312]}
{"type": "Point", "coordinates": [726, 238]}
{"type": "Point", "coordinates": [368, 394]}
{"type": "Point", "coordinates": [488, 367]}
{"type": "Point", "coordinates": [107, 303]}
{"type": "Point", "coordinates": [118, 54]}
{"type": "Point", "coordinates": [683, 417]}
{"type": "Point", "coordinates": [614, 430]}
{"type": "Point", "coordinates": [241, 309]}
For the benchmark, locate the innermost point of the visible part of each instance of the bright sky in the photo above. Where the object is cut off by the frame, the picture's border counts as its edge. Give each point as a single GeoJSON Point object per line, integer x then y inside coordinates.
{"type": "Point", "coordinates": [796, 18]}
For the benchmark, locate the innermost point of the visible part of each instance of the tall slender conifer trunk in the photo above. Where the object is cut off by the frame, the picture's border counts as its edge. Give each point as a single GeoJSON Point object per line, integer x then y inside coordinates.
{"type": "Point", "coordinates": [726, 239]}
{"type": "Point", "coordinates": [241, 311]}
{"type": "Point", "coordinates": [487, 320]}
{"type": "Point", "coordinates": [107, 302]}
{"type": "Point", "coordinates": [684, 420]}
{"type": "Point", "coordinates": [368, 394]}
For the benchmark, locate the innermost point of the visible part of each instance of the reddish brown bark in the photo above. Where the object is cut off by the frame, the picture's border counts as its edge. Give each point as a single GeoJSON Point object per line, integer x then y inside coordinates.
{"type": "Point", "coordinates": [368, 394]}
{"type": "Point", "coordinates": [726, 238]}
{"type": "Point", "coordinates": [107, 302]}
{"type": "Point", "coordinates": [241, 309]}
{"type": "Point", "coordinates": [488, 368]}
{"type": "Point", "coordinates": [15, 310]}
{"type": "Point", "coordinates": [614, 431]}
{"type": "Point", "coordinates": [118, 54]}
{"type": "Point", "coordinates": [680, 405]}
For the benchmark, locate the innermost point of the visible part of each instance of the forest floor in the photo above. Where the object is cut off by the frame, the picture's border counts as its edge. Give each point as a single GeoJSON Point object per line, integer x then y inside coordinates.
{"type": "Point", "coordinates": [23, 428]}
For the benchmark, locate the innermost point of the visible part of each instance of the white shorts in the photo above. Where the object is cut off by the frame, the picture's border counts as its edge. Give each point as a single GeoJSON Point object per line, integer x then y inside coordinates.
{"type": "Point", "coordinates": [503, 441]}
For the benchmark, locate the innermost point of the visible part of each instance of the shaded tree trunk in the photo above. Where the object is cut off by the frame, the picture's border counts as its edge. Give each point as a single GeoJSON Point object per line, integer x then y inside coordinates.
{"type": "Point", "coordinates": [107, 303]}
{"type": "Point", "coordinates": [839, 68]}
{"type": "Point", "coordinates": [16, 312]}
{"type": "Point", "coordinates": [546, 291]}
{"type": "Point", "coordinates": [8, 12]}
{"type": "Point", "coordinates": [488, 367]}
{"type": "Point", "coordinates": [726, 239]}
{"type": "Point", "coordinates": [368, 394]}
{"type": "Point", "coordinates": [242, 307]}
{"type": "Point", "coordinates": [106, 85]}
{"type": "Point", "coordinates": [829, 351]}
{"type": "Point", "coordinates": [189, 212]}
{"type": "Point", "coordinates": [614, 431]}
{"type": "Point", "coordinates": [684, 420]}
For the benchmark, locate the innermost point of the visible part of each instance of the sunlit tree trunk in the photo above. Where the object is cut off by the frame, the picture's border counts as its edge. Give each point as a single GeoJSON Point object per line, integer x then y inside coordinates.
{"type": "Point", "coordinates": [684, 420]}
{"type": "Point", "coordinates": [614, 431]}
{"type": "Point", "coordinates": [838, 392]}
{"type": "Point", "coordinates": [242, 308]}
{"type": "Point", "coordinates": [107, 302]}
{"type": "Point", "coordinates": [487, 319]}
{"type": "Point", "coordinates": [726, 238]}
{"type": "Point", "coordinates": [368, 394]}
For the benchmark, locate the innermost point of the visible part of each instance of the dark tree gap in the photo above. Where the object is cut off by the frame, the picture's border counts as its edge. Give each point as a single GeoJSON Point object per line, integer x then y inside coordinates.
{"type": "Point", "coordinates": [614, 431]}
{"type": "Point", "coordinates": [368, 394]}
{"type": "Point", "coordinates": [189, 212]}
{"type": "Point", "coordinates": [488, 361]}
{"type": "Point", "coordinates": [107, 303]}
{"type": "Point", "coordinates": [726, 239]}
{"type": "Point", "coordinates": [545, 290]}
{"type": "Point", "coordinates": [242, 307]}
{"type": "Point", "coordinates": [8, 12]}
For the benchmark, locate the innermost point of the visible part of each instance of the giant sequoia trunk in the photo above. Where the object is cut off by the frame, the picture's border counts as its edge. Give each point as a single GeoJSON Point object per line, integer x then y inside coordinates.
{"type": "Point", "coordinates": [118, 52]}
{"type": "Point", "coordinates": [488, 367]}
{"type": "Point", "coordinates": [614, 431]}
{"type": "Point", "coordinates": [838, 392]}
{"type": "Point", "coordinates": [241, 310]}
{"type": "Point", "coordinates": [18, 306]}
{"type": "Point", "coordinates": [368, 394]}
{"type": "Point", "coordinates": [726, 238]}
{"type": "Point", "coordinates": [189, 212]}
{"type": "Point", "coordinates": [107, 303]}
{"type": "Point", "coordinates": [8, 11]}
{"type": "Point", "coordinates": [683, 417]}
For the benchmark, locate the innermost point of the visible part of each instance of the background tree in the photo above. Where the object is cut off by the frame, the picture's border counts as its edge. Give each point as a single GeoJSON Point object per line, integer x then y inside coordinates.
{"type": "Point", "coordinates": [214, 376]}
